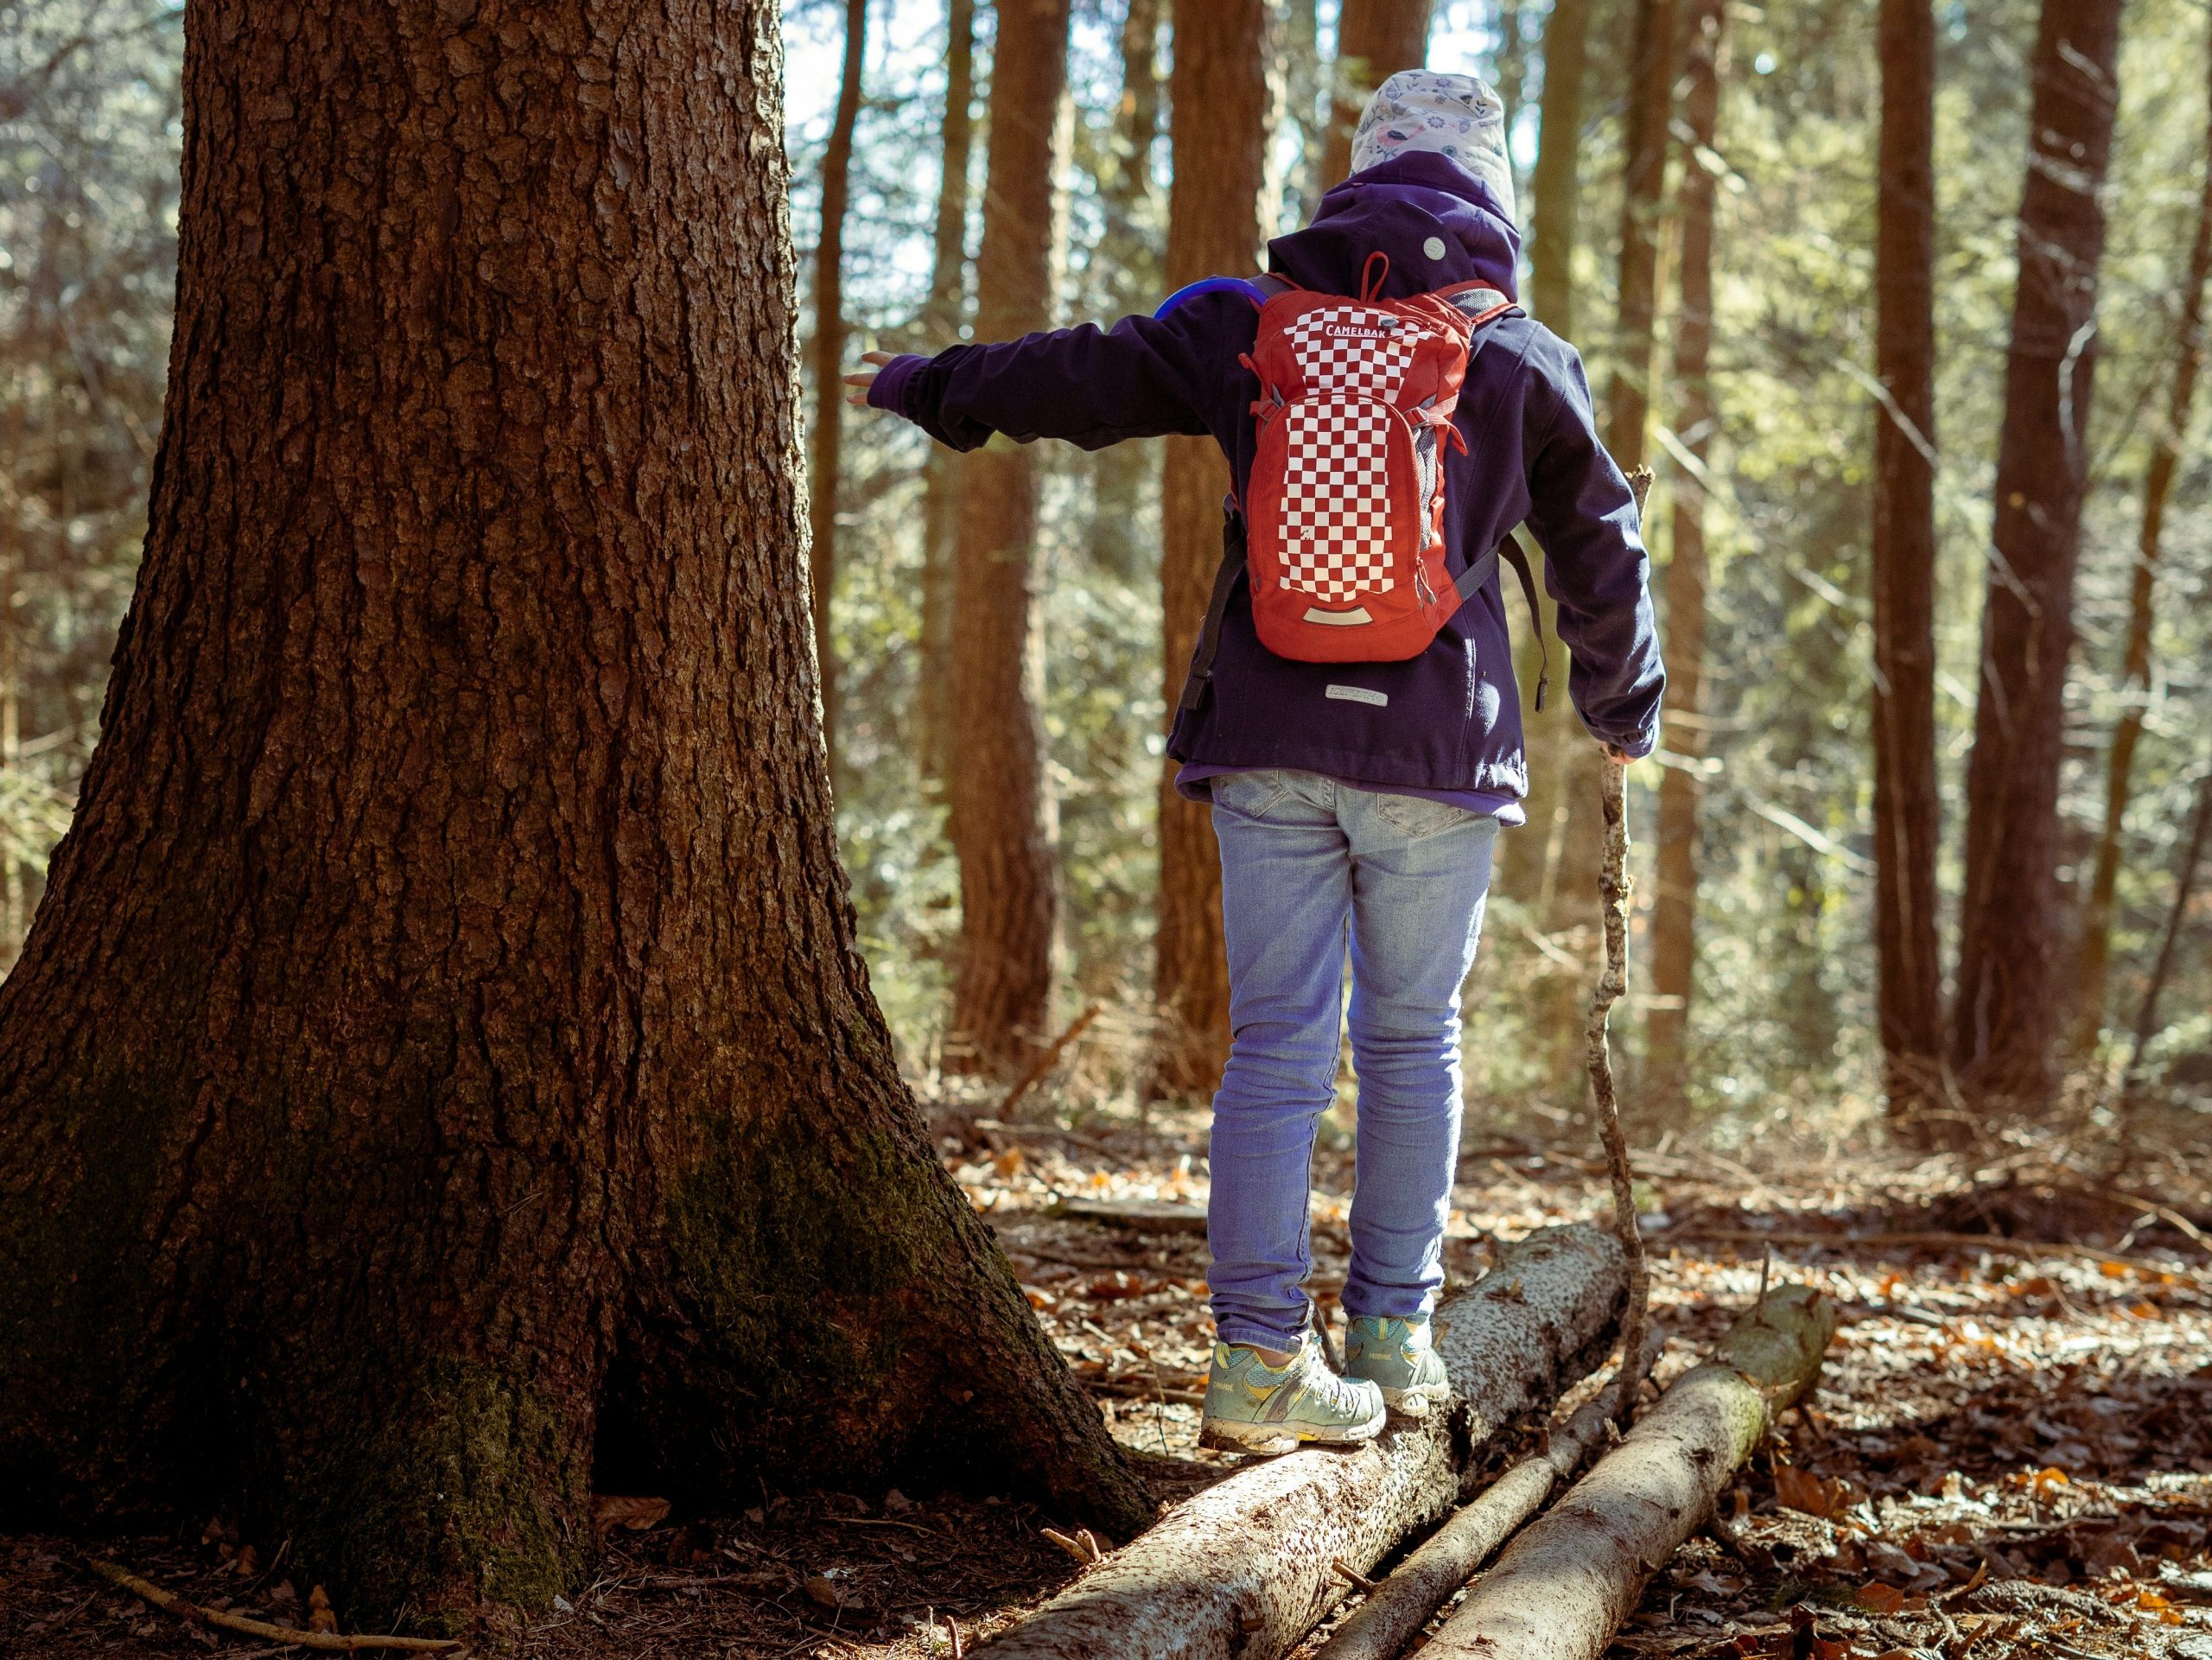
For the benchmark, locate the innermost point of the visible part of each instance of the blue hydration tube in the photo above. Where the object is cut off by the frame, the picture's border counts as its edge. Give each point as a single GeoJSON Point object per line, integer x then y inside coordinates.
{"type": "Point", "coordinates": [1251, 291]}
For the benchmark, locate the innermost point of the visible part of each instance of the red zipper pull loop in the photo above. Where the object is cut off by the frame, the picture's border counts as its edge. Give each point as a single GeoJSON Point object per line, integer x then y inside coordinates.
{"type": "Point", "coordinates": [1370, 281]}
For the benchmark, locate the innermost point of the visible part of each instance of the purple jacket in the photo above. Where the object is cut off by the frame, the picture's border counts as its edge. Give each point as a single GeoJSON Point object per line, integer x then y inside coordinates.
{"type": "Point", "coordinates": [1452, 721]}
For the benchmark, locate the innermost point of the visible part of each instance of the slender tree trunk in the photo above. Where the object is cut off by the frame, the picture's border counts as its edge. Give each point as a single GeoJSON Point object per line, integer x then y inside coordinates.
{"type": "Point", "coordinates": [1575, 846]}
{"type": "Point", "coordinates": [1644, 176]}
{"type": "Point", "coordinates": [2135, 675]}
{"type": "Point", "coordinates": [1128, 263]}
{"type": "Point", "coordinates": [2002, 1021]}
{"type": "Point", "coordinates": [1375, 40]}
{"type": "Point", "coordinates": [1510, 64]}
{"type": "Point", "coordinates": [441, 1070]}
{"type": "Point", "coordinates": [1907, 809]}
{"type": "Point", "coordinates": [1527, 874]}
{"type": "Point", "coordinates": [1303, 95]}
{"type": "Point", "coordinates": [946, 309]}
{"type": "Point", "coordinates": [828, 353]}
{"type": "Point", "coordinates": [1674, 915]}
{"type": "Point", "coordinates": [1223, 117]}
{"type": "Point", "coordinates": [1002, 809]}
{"type": "Point", "coordinates": [1559, 166]}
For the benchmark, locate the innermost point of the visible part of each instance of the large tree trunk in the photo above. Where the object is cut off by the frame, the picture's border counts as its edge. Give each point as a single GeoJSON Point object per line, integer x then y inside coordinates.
{"type": "Point", "coordinates": [828, 354]}
{"type": "Point", "coordinates": [941, 319]}
{"type": "Point", "coordinates": [441, 1069]}
{"type": "Point", "coordinates": [1674, 911]}
{"type": "Point", "coordinates": [2005, 1008]}
{"type": "Point", "coordinates": [1220, 124]}
{"type": "Point", "coordinates": [1907, 809]}
{"type": "Point", "coordinates": [1375, 40]}
{"type": "Point", "coordinates": [1003, 817]}
{"type": "Point", "coordinates": [2095, 965]}
{"type": "Point", "coordinates": [1246, 1569]}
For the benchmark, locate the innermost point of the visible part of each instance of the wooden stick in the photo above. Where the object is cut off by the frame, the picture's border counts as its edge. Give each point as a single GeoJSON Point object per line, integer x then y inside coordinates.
{"type": "Point", "coordinates": [1612, 985]}
{"type": "Point", "coordinates": [327, 1642]}
{"type": "Point", "coordinates": [1563, 1586]}
{"type": "Point", "coordinates": [1401, 1605]}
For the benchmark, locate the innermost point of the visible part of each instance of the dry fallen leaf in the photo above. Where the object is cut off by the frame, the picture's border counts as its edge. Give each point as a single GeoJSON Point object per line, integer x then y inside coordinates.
{"type": "Point", "coordinates": [319, 1615]}
{"type": "Point", "coordinates": [820, 1591]}
{"type": "Point", "coordinates": [1879, 1599]}
{"type": "Point", "coordinates": [610, 1510]}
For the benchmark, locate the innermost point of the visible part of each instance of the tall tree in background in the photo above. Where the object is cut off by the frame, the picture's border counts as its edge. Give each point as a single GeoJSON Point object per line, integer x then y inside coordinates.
{"type": "Point", "coordinates": [1001, 812]}
{"type": "Point", "coordinates": [1125, 277]}
{"type": "Point", "coordinates": [1375, 40]}
{"type": "Point", "coordinates": [1673, 912]}
{"type": "Point", "coordinates": [2135, 674]}
{"type": "Point", "coordinates": [442, 1068]}
{"type": "Point", "coordinates": [829, 353]}
{"type": "Point", "coordinates": [1558, 178]}
{"type": "Point", "coordinates": [1528, 874]}
{"type": "Point", "coordinates": [1222, 109]}
{"type": "Point", "coordinates": [2004, 1015]}
{"type": "Point", "coordinates": [941, 318]}
{"type": "Point", "coordinates": [1907, 809]}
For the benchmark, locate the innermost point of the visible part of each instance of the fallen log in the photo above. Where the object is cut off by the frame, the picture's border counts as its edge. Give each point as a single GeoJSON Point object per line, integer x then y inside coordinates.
{"type": "Point", "coordinates": [1244, 1570]}
{"type": "Point", "coordinates": [1401, 1605]}
{"type": "Point", "coordinates": [1564, 1586]}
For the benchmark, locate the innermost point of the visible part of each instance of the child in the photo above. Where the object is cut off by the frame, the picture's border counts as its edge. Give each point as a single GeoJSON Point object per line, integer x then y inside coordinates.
{"type": "Point", "coordinates": [1356, 803]}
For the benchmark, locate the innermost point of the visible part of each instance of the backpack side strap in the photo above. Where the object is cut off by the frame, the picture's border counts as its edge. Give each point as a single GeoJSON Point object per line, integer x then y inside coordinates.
{"type": "Point", "coordinates": [1224, 584]}
{"type": "Point", "coordinates": [1476, 576]}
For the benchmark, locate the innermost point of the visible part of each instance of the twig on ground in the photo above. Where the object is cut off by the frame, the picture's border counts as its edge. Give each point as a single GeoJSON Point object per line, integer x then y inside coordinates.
{"type": "Point", "coordinates": [1074, 1548]}
{"type": "Point", "coordinates": [1354, 1575]}
{"type": "Point", "coordinates": [325, 1642]}
{"type": "Point", "coordinates": [1049, 1059]}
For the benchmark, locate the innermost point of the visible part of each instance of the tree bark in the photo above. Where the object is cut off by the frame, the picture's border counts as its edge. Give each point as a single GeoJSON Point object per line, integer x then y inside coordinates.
{"type": "Point", "coordinates": [1527, 874]}
{"type": "Point", "coordinates": [2003, 1017]}
{"type": "Point", "coordinates": [1382, 1624]}
{"type": "Point", "coordinates": [1246, 1569]}
{"type": "Point", "coordinates": [2095, 965]}
{"type": "Point", "coordinates": [1674, 911]}
{"type": "Point", "coordinates": [443, 1069]}
{"type": "Point", "coordinates": [1908, 827]}
{"type": "Point", "coordinates": [1002, 821]}
{"type": "Point", "coordinates": [1127, 270]}
{"type": "Point", "coordinates": [1562, 1588]}
{"type": "Point", "coordinates": [1558, 181]}
{"type": "Point", "coordinates": [942, 316]}
{"type": "Point", "coordinates": [1221, 126]}
{"type": "Point", "coordinates": [1375, 40]}
{"type": "Point", "coordinates": [828, 354]}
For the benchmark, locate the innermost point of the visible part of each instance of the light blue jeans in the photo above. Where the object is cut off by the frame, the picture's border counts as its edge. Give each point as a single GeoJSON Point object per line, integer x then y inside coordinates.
{"type": "Point", "coordinates": [1308, 865]}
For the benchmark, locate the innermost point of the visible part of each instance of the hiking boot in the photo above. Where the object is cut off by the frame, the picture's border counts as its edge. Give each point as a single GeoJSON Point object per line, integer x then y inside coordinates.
{"type": "Point", "coordinates": [1252, 1407]}
{"type": "Point", "coordinates": [1397, 1357]}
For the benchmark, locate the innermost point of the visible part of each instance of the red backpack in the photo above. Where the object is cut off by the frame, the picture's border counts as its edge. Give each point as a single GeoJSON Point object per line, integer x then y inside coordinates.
{"type": "Point", "coordinates": [1342, 532]}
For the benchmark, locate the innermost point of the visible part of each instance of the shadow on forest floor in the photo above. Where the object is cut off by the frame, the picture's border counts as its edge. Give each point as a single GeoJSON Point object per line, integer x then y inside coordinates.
{"type": "Point", "coordinates": [2010, 1453]}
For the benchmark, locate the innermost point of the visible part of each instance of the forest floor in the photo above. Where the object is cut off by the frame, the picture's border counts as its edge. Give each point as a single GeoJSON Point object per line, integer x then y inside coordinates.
{"type": "Point", "coordinates": [2010, 1453]}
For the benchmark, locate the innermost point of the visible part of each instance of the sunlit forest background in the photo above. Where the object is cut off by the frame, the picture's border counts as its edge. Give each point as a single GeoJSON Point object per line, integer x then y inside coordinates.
{"type": "Point", "coordinates": [1781, 1015]}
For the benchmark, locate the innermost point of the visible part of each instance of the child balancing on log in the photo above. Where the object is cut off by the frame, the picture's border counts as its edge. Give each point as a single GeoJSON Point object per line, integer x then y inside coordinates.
{"type": "Point", "coordinates": [1389, 414]}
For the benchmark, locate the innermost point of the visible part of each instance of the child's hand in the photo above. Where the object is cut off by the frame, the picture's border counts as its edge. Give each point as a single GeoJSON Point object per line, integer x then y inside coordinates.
{"type": "Point", "coordinates": [1615, 753]}
{"type": "Point", "coordinates": [858, 383]}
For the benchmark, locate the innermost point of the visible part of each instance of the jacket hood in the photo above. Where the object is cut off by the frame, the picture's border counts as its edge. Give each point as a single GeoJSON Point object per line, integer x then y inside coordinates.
{"type": "Point", "coordinates": [1404, 207]}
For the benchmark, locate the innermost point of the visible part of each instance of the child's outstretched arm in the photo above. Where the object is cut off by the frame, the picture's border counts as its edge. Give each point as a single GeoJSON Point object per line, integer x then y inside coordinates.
{"type": "Point", "coordinates": [1584, 514]}
{"type": "Point", "coordinates": [1144, 376]}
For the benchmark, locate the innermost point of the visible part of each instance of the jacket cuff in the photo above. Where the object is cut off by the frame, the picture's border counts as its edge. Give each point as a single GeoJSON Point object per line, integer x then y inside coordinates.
{"type": "Point", "coordinates": [888, 391]}
{"type": "Point", "coordinates": [1638, 745]}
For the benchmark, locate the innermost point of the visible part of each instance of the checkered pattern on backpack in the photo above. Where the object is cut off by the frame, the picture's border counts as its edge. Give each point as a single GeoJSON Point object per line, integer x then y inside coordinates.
{"type": "Point", "coordinates": [1336, 500]}
{"type": "Point", "coordinates": [1354, 348]}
